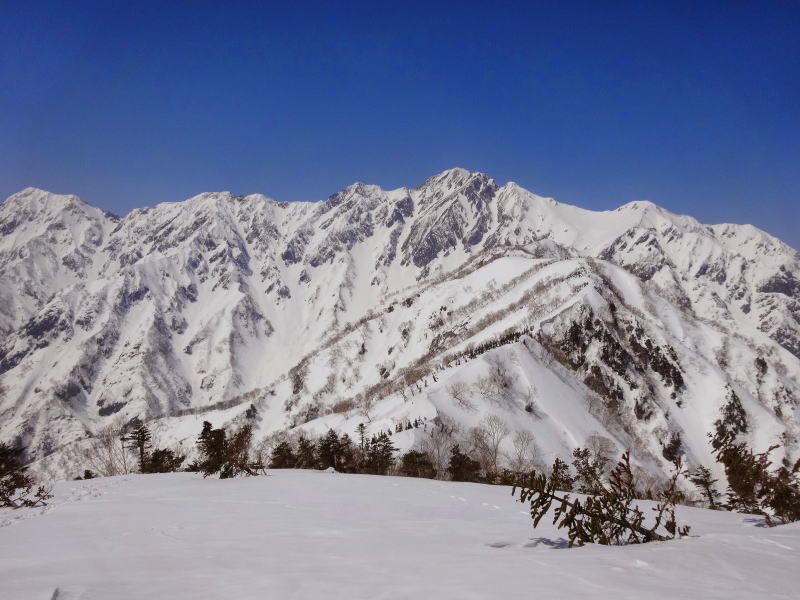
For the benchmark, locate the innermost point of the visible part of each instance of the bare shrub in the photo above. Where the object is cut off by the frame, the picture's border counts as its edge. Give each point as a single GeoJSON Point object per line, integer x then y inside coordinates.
{"type": "Point", "coordinates": [107, 454]}
{"type": "Point", "coordinates": [523, 456]}
{"type": "Point", "coordinates": [722, 354]}
{"type": "Point", "coordinates": [297, 375]}
{"type": "Point", "coordinates": [486, 388]}
{"type": "Point", "coordinates": [485, 441]}
{"type": "Point", "coordinates": [327, 389]}
{"type": "Point", "coordinates": [262, 451]}
{"type": "Point", "coordinates": [366, 405]}
{"type": "Point", "coordinates": [531, 406]}
{"type": "Point", "coordinates": [500, 375]}
{"type": "Point", "coordinates": [343, 406]}
{"type": "Point", "coordinates": [438, 442]}
{"type": "Point", "coordinates": [459, 392]}
{"type": "Point", "coordinates": [477, 446]}
{"type": "Point", "coordinates": [601, 446]}
{"type": "Point", "coordinates": [335, 356]}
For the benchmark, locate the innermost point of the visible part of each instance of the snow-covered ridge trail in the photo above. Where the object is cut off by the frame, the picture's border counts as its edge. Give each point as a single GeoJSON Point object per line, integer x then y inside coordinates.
{"type": "Point", "coordinates": [308, 534]}
{"type": "Point", "coordinates": [645, 327]}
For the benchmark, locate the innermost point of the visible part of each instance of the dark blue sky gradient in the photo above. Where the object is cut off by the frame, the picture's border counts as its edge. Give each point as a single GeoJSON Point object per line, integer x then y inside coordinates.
{"type": "Point", "coordinates": [695, 105]}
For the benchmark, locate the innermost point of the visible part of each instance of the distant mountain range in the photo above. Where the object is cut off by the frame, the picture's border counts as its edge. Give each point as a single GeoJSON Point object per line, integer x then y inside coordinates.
{"type": "Point", "coordinates": [443, 303]}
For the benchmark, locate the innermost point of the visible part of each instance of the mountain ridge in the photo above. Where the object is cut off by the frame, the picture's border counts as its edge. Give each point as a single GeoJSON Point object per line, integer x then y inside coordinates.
{"type": "Point", "coordinates": [301, 307]}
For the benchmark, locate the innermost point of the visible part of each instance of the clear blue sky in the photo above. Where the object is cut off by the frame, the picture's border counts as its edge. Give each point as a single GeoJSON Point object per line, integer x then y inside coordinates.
{"type": "Point", "coordinates": [695, 105]}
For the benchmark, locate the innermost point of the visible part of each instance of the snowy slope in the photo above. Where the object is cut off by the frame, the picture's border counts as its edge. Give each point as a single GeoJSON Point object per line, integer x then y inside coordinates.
{"type": "Point", "coordinates": [646, 327]}
{"type": "Point", "coordinates": [305, 534]}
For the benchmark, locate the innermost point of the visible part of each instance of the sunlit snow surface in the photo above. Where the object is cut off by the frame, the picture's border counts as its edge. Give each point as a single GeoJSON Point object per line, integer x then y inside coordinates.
{"type": "Point", "coordinates": [308, 534]}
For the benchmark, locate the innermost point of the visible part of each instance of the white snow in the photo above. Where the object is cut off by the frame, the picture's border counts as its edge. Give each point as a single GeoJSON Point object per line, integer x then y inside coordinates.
{"type": "Point", "coordinates": [309, 535]}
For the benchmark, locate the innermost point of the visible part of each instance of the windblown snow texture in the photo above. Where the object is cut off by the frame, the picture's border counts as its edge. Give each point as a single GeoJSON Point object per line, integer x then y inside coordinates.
{"type": "Point", "coordinates": [307, 534]}
{"type": "Point", "coordinates": [646, 327]}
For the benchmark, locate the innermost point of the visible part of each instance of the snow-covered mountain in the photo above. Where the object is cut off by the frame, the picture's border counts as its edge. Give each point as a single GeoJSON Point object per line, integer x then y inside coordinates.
{"type": "Point", "coordinates": [446, 302]}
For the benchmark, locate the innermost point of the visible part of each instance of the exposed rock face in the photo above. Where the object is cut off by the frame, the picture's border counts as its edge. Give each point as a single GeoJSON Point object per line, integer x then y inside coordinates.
{"type": "Point", "coordinates": [649, 323]}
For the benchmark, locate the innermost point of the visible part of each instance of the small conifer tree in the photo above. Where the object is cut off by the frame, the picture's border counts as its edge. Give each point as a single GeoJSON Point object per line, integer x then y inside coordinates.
{"type": "Point", "coordinates": [379, 456]}
{"type": "Point", "coordinates": [283, 456]}
{"type": "Point", "coordinates": [589, 469]}
{"type": "Point", "coordinates": [417, 464]}
{"type": "Point", "coordinates": [228, 456]}
{"type": "Point", "coordinates": [164, 460]}
{"type": "Point", "coordinates": [306, 454]}
{"type": "Point", "coordinates": [211, 443]}
{"type": "Point", "coordinates": [704, 482]}
{"type": "Point", "coordinates": [461, 467]}
{"type": "Point", "coordinates": [362, 437]}
{"type": "Point", "coordinates": [610, 515]}
{"type": "Point", "coordinates": [329, 450]}
{"type": "Point", "coordinates": [16, 485]}
{"type": "Point", "coordinates": [753, 487]}
{"type": "Point", "coordinates": [139, 439]}
{"type": "Point", "coordinates": [237, 455]}
{"type": "Point", "coordinates": [348, 462]}
{"type": "Point", "coordinates": [560, 476]}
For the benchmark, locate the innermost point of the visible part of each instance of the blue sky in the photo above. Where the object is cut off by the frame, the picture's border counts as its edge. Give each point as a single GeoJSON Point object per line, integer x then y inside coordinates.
{"type": "Point", "coordinates": [695, 105]}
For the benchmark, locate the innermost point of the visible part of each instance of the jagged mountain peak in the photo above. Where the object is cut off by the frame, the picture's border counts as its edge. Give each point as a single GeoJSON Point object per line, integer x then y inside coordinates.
{"type": "Point", "coordinates": [643, 205]}
{"type": "Point", "coordinates": [34, 195]}
{"type": "Point", "coordinates": [33, 201]}
{"type": "Point", "coordinates": [213, 200]}
{"type": "Point", "coordinates": [453, 179]}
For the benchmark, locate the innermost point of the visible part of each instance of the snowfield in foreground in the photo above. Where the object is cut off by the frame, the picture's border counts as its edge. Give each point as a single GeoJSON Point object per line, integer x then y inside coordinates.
{"type": "Point", "coordinates": [309, 534]}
